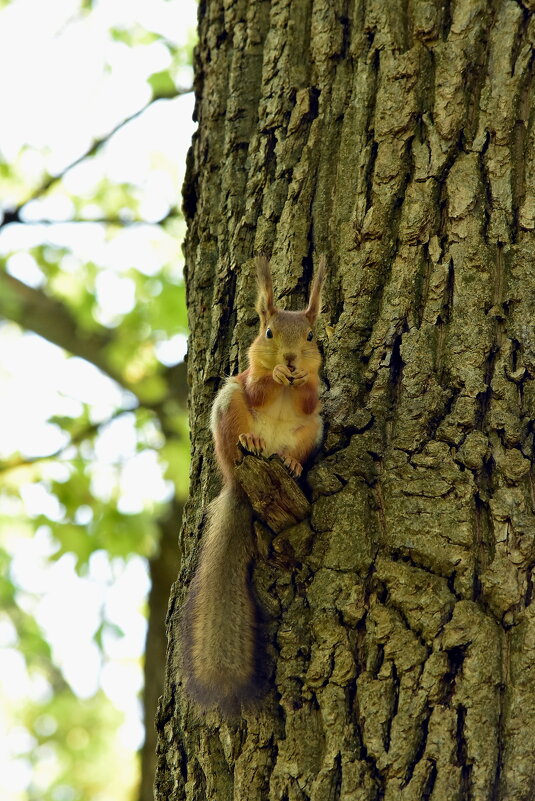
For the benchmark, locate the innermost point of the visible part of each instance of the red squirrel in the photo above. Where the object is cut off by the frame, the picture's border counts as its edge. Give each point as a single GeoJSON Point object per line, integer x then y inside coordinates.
{"type": "Point", "coordinates": [271, 407]}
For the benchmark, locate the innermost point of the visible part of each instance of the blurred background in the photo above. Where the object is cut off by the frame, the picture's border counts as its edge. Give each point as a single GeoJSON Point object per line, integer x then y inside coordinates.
{"type": "Point", "coordinates": [96, 108]}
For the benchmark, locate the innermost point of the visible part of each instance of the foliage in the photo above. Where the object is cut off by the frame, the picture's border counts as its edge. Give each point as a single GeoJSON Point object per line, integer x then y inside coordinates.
{"type": "Point", "coordinates": [99, 251]}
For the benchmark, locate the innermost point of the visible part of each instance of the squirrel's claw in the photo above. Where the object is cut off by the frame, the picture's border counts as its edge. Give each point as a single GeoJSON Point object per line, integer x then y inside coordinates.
{"type": "Point", "coordinates": [295, 467]}
{"type": "Point", "coordinates": [282, 375]}
{"type": "Point", "coordinates": [253, 443]}
{"type": "Point", "coordinates": [299, 378]}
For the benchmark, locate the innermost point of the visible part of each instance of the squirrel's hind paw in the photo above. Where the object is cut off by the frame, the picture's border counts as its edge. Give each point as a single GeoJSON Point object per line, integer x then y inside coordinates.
{"type": "Point", "coordinates": [295, 467]}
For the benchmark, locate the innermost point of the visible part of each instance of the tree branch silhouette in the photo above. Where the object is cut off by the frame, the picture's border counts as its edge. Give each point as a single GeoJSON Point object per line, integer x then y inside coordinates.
{"type": "Point", "coordinates": [14, 215]}
{"type": "Point", "coordinates": [37, 311]}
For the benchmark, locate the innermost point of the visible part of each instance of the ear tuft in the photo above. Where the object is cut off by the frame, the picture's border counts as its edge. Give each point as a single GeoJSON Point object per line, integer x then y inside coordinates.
{"type": "Point", "coordinates": [314, 303]}
{"type": "Point", "coordinates": [264, 304]}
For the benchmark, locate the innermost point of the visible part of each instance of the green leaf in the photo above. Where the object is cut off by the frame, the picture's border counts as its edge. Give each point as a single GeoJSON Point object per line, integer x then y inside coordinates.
{"type": "Point", "coordinates": [170, 313]}
{"type": "Point", "coordinates": [175, 456]}
{"type": "Point", "coordinates": [162, 84]}
{"type": "Point", "coordinates": [136, 35]}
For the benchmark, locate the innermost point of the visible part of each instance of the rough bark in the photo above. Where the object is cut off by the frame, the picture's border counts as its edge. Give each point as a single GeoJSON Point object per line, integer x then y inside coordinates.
{"type": "Point", "coordinates": [398, 139]}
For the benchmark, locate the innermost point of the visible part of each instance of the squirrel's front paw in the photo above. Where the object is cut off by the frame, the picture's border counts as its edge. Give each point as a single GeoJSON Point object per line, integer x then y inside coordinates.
{"type": "Point", "coordinates": [282, 375]}
{"type": "Point", "coordinates": [253, 443]}
{"type": "Point", "coordinates": [295, 467]}
{"type": "Point", "coordinates": [299, 378]}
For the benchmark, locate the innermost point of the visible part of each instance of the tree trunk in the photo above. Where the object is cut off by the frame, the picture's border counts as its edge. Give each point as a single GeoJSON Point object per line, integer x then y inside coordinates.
{"type": "Point", "coordinates": [397, 138]}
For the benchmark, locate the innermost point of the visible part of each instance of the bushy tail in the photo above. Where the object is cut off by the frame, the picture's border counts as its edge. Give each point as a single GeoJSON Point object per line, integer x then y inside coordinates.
{"type": "Point", "coordinates": [219, 617]}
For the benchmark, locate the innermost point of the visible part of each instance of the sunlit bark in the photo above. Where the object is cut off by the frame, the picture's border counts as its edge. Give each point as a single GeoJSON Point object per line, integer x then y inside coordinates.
{"type": "Point", "coordinates": [398, 139]}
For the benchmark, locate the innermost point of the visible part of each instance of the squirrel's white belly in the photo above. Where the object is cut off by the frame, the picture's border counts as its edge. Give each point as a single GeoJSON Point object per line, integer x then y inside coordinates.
{"type": "Point", "coordinates": [277, 424]}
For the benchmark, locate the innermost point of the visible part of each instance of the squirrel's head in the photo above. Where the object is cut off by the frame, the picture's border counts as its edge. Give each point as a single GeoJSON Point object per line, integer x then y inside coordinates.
{"type": "Point", "coordinates": [286, 337]}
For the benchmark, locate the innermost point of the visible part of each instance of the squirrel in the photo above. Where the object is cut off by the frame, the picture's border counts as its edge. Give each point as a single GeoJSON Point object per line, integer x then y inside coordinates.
{"type": "Point", "coordinates": [272, 407]}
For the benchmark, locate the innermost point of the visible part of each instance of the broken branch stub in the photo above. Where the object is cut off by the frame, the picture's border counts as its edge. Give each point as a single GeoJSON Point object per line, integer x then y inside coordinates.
{"type": "Point", "coordinates": [274, 495]}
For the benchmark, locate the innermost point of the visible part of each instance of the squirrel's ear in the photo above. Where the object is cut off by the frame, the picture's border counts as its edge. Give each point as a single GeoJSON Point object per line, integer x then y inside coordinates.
{"type": "Point", "coordinates": [264, 304]}
{"type": "Point", "coordinates": [314, 303]}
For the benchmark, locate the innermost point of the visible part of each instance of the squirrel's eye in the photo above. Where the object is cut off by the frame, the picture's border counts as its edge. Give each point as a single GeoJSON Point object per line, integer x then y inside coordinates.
{"type": "Point", "coordinates": [310, 336]}
{"type": "Point", "coordinates": [269, 333]}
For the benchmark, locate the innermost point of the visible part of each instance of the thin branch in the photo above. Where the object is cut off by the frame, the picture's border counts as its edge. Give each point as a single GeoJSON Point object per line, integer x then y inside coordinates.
{"type": "Point", "coordinates": [120, 222]}
{"type": "Point", "coordinates": [14, 215]}
{"type": "Point", "coordinates": [83, 434]}
{"type": "Point", "coordinates": [33, 309]}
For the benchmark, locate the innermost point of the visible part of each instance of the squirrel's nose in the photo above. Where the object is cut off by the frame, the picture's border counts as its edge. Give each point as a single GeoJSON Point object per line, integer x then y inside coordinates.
{"type": "Point", "coordinates": [289, 358]}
